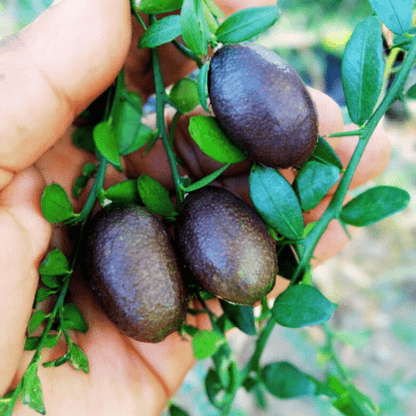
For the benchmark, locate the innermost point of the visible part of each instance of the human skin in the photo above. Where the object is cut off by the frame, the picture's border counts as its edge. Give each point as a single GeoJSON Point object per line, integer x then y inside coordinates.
{"type": "Point", "coordinates": [49, 73]}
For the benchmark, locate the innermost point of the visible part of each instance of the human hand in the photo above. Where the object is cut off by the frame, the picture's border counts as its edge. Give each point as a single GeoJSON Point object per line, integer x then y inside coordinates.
{"type": "Point", "coordinates": [62, 74]}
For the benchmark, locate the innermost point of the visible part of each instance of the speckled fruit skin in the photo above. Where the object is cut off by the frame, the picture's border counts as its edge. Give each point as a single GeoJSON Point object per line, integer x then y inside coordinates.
{"type": "Point", "coordinates": [130, 263]}
{"type": "Point", "coordinates": [263, 104]}
{"type": "Point", "coordinates": [226, 246]}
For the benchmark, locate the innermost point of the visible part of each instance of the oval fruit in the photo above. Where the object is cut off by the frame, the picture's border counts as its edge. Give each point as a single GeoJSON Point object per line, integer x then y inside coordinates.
{"type": "Point", "coordinates": [263, 104]}
{"type": "Point", "coordinates": [226, 246]}
{"type": "Point", "coordinates": [131, 266]}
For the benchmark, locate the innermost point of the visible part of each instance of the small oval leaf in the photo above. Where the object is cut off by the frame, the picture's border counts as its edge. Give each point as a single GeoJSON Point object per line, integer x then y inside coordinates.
{"type": "Point", "coordinates": [123, 193]}
{"type": "Point", "coordinates": [160, 32]}
{"type": "Point", "coordinates": [37, 318]}
{"type": "Point", "coordinates": [411, 92]}
{"type": "Point", "coordinates": [184, 95]}
{"type": "Point", "coordinates": [395, 14]}
{"type": "Point", "coordinates": [362, 69]}
{"type": "Point", "coordinates": [155, 196]}
{"type": "Point", "coordinates": [193, 27]}
{"type": "Point", "coordinates": [213, 387]}
{"type": "Point", "coordinates": [55, 204]}
{"type": "Point", "coordinates": [107, 143]}
{"type": "Point", "coordinates": [77, 358]}
{"type": "Point", "coordinates": [159, 6]}
{"type": "Point", "coordinates": [276, 201]}
{"type": "Point", "coordinates": [313, 182]}
{"type": "Point", "coordinates": [302, 305]}
{"type": "Point", "coordinates": [285, 381]}
{"type": "Point", "coordinates": [241, 316]}
{"type": "Point", "coordinates": [374, 205]}
{"type": "Point", "coordinates": [205, 343]}
{"type": "Point", "coordinates": [324, 153]}
{"type": "Point", "coordinates": [213, 141]}
{"type": "Point", "coordinates": [73, 319]}
{"type": "Point", "coordinates": [55, 263]}
{"type": "Point", "coordinates": [247, 23]}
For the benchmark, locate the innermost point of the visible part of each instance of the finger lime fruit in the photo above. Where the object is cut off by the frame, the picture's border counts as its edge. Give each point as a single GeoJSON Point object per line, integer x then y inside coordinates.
{"type": "Point", "coordinates": [130, 263]}
{"type": "Point", "coordinates": [226, 246]}
{"type": "Point", "coordinates": [263, 105]}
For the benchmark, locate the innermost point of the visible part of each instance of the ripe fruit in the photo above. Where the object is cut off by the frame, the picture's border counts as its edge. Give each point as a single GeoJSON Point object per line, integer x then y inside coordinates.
{"type": "Point", "coordinates": [130, 263]}
{"type": "Point", "coordinates": [226, 246]}
{"type": "Point", "coordinates": [263, 104]}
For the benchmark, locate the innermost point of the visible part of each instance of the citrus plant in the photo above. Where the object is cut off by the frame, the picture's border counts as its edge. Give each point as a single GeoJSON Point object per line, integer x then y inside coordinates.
{"type": "Point", "coordinates": [119, 130]}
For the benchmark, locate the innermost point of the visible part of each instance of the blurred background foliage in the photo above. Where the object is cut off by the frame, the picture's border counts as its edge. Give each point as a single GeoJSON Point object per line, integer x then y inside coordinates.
{"type": "Point", "coordinates": [373, 280]}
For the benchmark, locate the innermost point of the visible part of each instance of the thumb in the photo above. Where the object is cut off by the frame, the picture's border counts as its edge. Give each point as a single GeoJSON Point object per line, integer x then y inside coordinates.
{"type": "Point", "coordinates": [51, 70]}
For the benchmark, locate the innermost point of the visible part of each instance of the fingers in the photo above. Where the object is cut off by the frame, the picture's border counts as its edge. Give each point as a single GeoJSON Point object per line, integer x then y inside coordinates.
{"type": "Point", "coordinates": [53, 69]}
{"type": "Point", "coordinates": [24, 237]}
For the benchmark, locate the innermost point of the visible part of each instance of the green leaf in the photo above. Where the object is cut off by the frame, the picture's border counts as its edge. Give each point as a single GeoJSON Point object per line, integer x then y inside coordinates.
{"type": "Point", "coordinates": [155, 196]}
{"type": "Point", "coordinates": [84, 139]}
{"type": "Point", "coordinates": [302, 305]}
{"type": "Point", "coordinates": [395, 14]}
{"type": "Point", "coordinates": [313, 182]}
{"type": "Point", "coordinates": [214, 9]}
{"type": "Point", "coordinates": [36, 319]}
{"type": "Point", "coordinates": [324, 153]}
{"type": "Point", "coordinates": [32, 390]}
{"type": "Point", "coordinates": [411, 92]}
{"type": "Point", "coordinates": [374, 205]}
{"type": "Point", "coordinates": [241, 316]}
{"type": "Point", "coordinates": [213, 141]}
{"type": "Point", "coordinates": [159, 6]}
{"type": "Point", "coordinates": [55, 263]}
{"type": "Point", "coordinates": [206, 180]}
{"type": "Point", "coordinates": [247, 23]}
{"type": "Point", "coordinates": [285, 381]}
{"type": "Point", "coordinates": [184, 95]}
{"type": "Point", "coordinates": [160, 32]}
{"type": "Point", "coordinates": [123, 193]}
{"type": "Point", "coordinates": [73, 319]}
{"type": "Point", "coordinates": [205, 343]}
{"type": "Point", "coordinates": [276, 201]}
{"type": "Point", "coordinates": [107, 143]}
{"type": "Point", "coordinates": [32, 343]}
{"type": "Point", "coordinates": [192, 26]}
{"type": "Point", "coordinates": [177, 411]}
{"type": "Point", "coordinates": [42, 294]}
{"type": "Point", "coordinates": [55, 204]}
{"type": "Point", "coordinates": [202, 85]}
{"type": "Point", "coordinates": [362, 69]}
{"type": "Point", "coordinates": [213, 387]}
{"type": "Point", "coordinates": [51, 281]}
{"type": "Point", "coordinates": [77, 358]}
{"type": "Point", "coordinates": [57, 362]}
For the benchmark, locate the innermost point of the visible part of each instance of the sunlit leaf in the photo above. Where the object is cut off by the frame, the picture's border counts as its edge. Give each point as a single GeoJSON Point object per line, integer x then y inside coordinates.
{"type": "Point", "coordinates": [107, 143]}
{"type": "Point", "coordinates": [73, 319]}
{"type": "Point", "coordinates": [192, 26]}
{"type": "Point", "coordinates": [55, 204]}
{"type": "Point", "coordinates": [205, 343]}
{"type": "Point", "coordinates": [213, 141]}
{"type": "Point", "coordinates": [77, 358]}
{"type": "Point", "coordinates": [202, 85]}
{"type": "Point", "coordinates": [184, 95]}
{"type": "Point", "coordinates": [32, 390]}
{"type": "Point", "coordinates": [55, 263]}
{"type": "Point", "coordinates": [247, 23]}
{"type": "Point", "coordinates": [160, 32]}
{"type": "Point", "coordinates": [123, 193]}
{"type": "Point", "coordinates": [36, 319]}
{"type": "Point", "coordinates": [155, 196]}
{"type": "Point", "coordinates": [374, 205]}
{"type": "Point", "coordinates": [159, 6]}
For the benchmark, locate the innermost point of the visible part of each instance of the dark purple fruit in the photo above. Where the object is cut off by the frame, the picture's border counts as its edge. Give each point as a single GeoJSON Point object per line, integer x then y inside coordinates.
{"type": "Point", "coordinates": [263, 105]}
{"type": "Point", "coordinates": [226, 246]}
{"type": "Point", "coordinates": [131, 266]}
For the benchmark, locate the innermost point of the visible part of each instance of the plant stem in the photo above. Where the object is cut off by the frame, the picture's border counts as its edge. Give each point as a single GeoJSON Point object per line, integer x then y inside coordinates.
{"type": "Point", "coordinates": [310, 242]}
{"type": "Point", "coordinates": [188, 53]}
{"type": "Point", "coordinates": [346, 133]}
{"type": "Point", "coordinates": [136, 14]}
{"type": "Point", "coordinates": [161, 100]}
